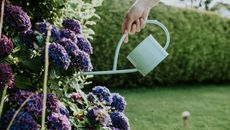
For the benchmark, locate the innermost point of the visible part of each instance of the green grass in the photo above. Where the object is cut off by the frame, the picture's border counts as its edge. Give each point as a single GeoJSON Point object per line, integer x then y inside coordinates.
{"type": "Point", "coordinates": [161, 108]}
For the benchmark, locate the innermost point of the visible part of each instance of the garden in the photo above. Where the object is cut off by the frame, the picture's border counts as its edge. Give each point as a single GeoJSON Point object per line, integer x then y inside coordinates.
{"type": "Point", "coordinates": [50, 50]}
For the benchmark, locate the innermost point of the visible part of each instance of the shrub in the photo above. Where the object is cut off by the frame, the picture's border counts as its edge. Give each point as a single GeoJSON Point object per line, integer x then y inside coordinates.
{"type": "Point", "coordinates": [198, 52]}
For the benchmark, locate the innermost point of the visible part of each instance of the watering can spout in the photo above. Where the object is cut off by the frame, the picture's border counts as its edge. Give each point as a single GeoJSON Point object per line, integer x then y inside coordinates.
{"type": "Point", "coordinates": [145, 57]}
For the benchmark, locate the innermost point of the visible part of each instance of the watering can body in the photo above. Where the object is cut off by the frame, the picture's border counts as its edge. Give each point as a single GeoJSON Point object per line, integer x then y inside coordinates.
{"type": "Point", "coordinates": [145, 57]}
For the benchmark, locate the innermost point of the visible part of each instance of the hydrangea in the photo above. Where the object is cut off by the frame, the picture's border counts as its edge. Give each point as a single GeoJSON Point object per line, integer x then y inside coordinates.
{"type": "Point", "coordinates": [6, 76]}
{"type": "Point", "coordinates": [75, 97]}
{"type": "Point", "coordinates": [67, 33]}
{"type": "Point", "coordinates": [28, 38]}
{"type": "Point", "coordinates": [120, 121]}
{"type": "Point", "coordinates": [16, 18]}
{"type": "Point", "coordinates": [59, 56]}
{"type": "Point", "coordinates": [63, 110]}
{"type": "Point", "coordinates": [82, 61]}
{"type": "Point", "coordinates": [102, 93]}
{"type": "Point", "coordinates": [57, 121]}
{"type": "Point", "coordinates": [23, 121]}
{"type": "Point", "coordinates": [69, 46]}
{"type": "Point", "coordinates": [34, 105]}
{"type": "Point", "coordinates": [90, 97]}
{"type": "Point", "coordinates": [6, 46]}
{"type": "Point", "coordinates": [41, 27]}
{"type": "Point", "coordinates": [84, 44]}
{"type": "Point", "coordinates": [73, 25]}
{"type": "Point", "coordinates": [98, 116]}
{"type": "Point", "coordinates": [118, 102]}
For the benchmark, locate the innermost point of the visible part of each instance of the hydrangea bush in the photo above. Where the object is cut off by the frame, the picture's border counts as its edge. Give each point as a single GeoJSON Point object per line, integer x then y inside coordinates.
{"type": "Point", "coordinates": [22, 53]}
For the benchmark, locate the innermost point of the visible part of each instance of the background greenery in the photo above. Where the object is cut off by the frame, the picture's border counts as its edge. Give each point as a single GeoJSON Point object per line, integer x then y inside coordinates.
{"type": "Point", "coordinates": [162, 108]}
{"type": "Point", "coordinates": [198, 51]}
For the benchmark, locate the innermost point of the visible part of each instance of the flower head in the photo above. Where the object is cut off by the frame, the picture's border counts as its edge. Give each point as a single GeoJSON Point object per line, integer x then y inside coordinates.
{"type": "Point", "coordinates": [23, 121]}
{"type": "Point", "coordinates": [73, 25]}
{"type": "Point", "coordinates": [102, 93]}
{"type": "Point", "coordinates": [6, 76]}
{"type": "Point", "coordinates": [28, 38]}
{"type": "Point", "coordinates": [84, 44]}
{"type": "Point", "coordinates": [185, 115]}
{"type": "Point", "coordinates": [67, 33]}
{"type": "Point", "coordinates": [52, 103]}
{"type": "Point", "coordinates": [59, 56]}
{"type": "Point", "coordinates": [81, 61]}
{"type": "Point", "coordinates": [120, 121]}
{"type": "Point", "coordinates": [41, 27]}
{"type": "Point", "coordinates": [69, 46]}
{"type": "Point", "coordinates": [98, 116]}
{"type": "Point", "coordinates": [118, 102]}
{"type": "Point", "coordinates": [75, 97]}
{"type": "Point", "coordinates": [16, 18]}
{"type": "Point", "coordinates": [6, 46]}
{"type": "Point", "coordinates": [91, 98]}
{"type": "Point", "coordinates": [57, 121]}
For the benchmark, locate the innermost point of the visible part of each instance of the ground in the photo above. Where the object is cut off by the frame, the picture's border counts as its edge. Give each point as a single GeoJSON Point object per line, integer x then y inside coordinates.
{"type": "Point", "coordinates": [161, 108]}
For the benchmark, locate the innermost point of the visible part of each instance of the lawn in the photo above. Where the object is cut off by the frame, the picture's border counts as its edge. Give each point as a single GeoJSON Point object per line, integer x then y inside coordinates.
{"type": "Point", "coordinates": [161, 108]}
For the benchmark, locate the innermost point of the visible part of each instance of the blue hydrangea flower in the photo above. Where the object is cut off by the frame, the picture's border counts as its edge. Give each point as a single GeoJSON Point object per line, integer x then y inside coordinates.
{"type": "Point", "coordinates": [59, 56]}
{"type": "Point", "coordinates": [67, 33]}
{"type": "Point", "coordinates": [57, 121]}
{"type": "Point", "coordinates": [98, 116]}
{"type": "Point", "coordinates": [52, 103]}
{"type": "Point", "coordinates": [69, 46]}
{"type": "Point", "coordinates": [23, 121]}
{"type": "Point", "coordinates": [73, 25]}
{"type": "Point", "coordinates": [41, 27]}
{"type": "Point", "coordinates": [16, 18]}
{"type": "Point", "coordinates": [118, 102]}
{"type": "Point", "coordinates": [81, 61]}
{"type": "Point", "coordinates": [6, 46]}
{"type": "Point", "coordinates": [120, 121]}
{"type": "Point", "coordinates": [63, 110]}
{"type": "Point", "coordinates": [102, 93]}
{"type": "Point", "coordinates": [6, 76]}
{"type": "Point", "coordinates": [84, 44]}
{"type": "Point", "coordinates": [28, 38]}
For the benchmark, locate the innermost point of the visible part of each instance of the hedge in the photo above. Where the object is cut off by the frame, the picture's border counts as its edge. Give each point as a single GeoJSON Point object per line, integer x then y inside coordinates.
{"type": "Point", "coordinates": [199, 50]}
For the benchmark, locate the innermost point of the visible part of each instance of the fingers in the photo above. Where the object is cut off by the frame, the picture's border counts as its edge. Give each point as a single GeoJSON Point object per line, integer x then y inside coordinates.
{"type": "Point", "coordinates": [138, 23]}
{"type": "Point", "coordinates": [142, 23]}
{"type": "Point", "coordinates": [127, 26]}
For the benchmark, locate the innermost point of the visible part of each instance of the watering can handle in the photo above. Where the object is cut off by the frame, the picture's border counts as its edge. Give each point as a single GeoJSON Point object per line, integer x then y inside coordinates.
{"type": "Point", "coordinates": [123, 38]}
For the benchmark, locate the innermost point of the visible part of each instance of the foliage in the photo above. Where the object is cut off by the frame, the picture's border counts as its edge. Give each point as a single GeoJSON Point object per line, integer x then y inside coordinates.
{"type": "Point", "coordinates": [197, 53]}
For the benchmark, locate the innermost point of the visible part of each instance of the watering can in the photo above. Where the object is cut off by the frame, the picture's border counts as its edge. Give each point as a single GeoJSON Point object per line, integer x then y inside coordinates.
{"type": "Point", "coordinates": [145, 57]}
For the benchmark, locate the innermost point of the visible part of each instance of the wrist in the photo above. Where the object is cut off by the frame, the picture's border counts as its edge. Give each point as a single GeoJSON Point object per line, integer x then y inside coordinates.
{"type": "Point", "coordinates": [147, 3]}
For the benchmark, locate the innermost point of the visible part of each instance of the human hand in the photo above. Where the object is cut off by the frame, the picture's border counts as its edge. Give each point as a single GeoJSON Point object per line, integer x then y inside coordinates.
{"type": "Point", "coordinates": [134, 19]}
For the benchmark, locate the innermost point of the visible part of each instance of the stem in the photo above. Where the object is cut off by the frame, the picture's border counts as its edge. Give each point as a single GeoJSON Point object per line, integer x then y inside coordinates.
{"type": "Point", "coordinates": [45, 76]}
{"type": "Point", "coordinates": [16, 113]}
{"type": "Point", "coordinates": [2, 99]}
{"type": "Point", "coordinates": [186, 124]}
{"type": "Point", "coordinates": [2, 15]}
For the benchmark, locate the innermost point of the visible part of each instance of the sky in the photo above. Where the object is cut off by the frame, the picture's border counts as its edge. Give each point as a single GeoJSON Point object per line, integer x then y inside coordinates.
{"type": "Point", "coordinates": [184, 4]}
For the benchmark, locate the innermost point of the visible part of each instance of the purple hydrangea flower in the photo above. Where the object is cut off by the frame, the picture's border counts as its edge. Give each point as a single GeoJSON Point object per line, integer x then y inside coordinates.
{"type": "Point", "coordinates": [73, 25]}
{"type": "Point", "coordinates": [16, 18]}
{"type": "Point", "coordinates": [98, 116]}
{"type": "Point", "coordinates": [6, 76]}
{"type": "Point", "coordinates": [59, 56]}
{"type": "Point", "coordinates": [82, 61]}
{"type": "Point", "coordinates": [34, 105]}
{"type": "Point", "coordinates": [69, 46]}
{"type": "Point", "coordinates": [57, 121]}
{"type": "Point", "coordinates": [23, 121]}
{"type": "Point", "coordinates": [91, 98]}
{"type": "Point", "coordinates": [63, 110]}
{"type": "Point", "coordinates": [118, 102]}
{"type": "Point", "coordinates": [84, 44]}
{"type": "Point", "coordinates": [28, 38]}
{"type": "Point", "coordinates": [120, 121]}
{"type": "Point", "coordinates": [41, 27]}
{"type": "Point", "coordinates": [6, 46]}
{"type": "Point", "coordinates": [76, 97]}
{"type": "Point", "coordinates": [102, 93]}
{"type": "Point", "coordinates": [67, 33]}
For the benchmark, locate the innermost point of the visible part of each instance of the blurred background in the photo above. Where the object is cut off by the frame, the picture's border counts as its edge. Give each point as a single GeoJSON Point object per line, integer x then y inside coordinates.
{"type": "Point", "coordinates": [194, 77]}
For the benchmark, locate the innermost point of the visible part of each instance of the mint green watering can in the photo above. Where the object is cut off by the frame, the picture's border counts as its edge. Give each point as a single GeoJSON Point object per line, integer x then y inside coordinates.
{"type": "Point", "coordinates": [145, 57]}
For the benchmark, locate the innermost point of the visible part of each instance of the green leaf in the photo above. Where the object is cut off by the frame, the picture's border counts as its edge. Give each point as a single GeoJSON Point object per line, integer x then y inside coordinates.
{"type": "Point", "coordinates": [22, 82]}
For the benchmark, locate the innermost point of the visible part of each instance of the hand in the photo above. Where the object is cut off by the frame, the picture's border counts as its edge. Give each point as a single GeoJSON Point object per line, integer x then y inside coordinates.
{"type": "Point", "coordinates": [135, 18]}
